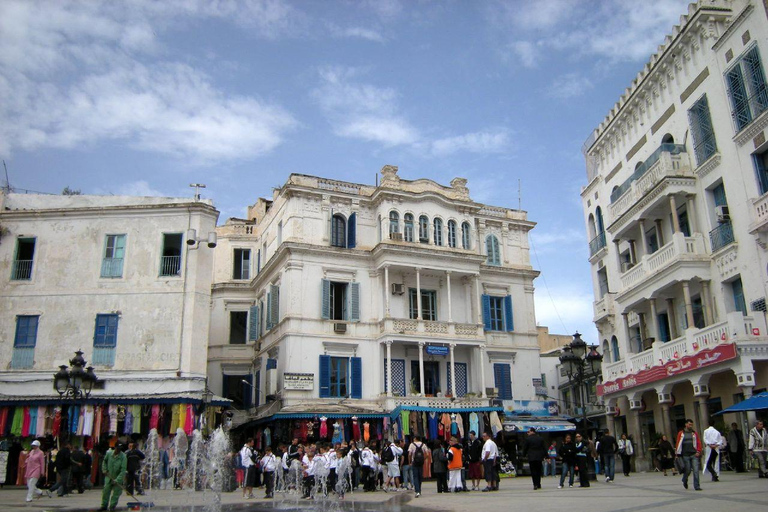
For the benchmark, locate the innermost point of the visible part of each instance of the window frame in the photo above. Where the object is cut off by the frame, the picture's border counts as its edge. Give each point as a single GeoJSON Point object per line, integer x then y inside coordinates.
{"type": "Point", "coordinates": [245, 268]}
{"type": "Point", "coordinates": [108, 269]}
{"type": "Point", "coordinates": [493, 250]}
{"type": "Point", "coordinates": [437, 231]}
{"type": "Point", "coordinates": [232, 316]}
{"type": "Point", "coordinates": [394, 222]}
{"type": "Point", "coordinates": [338, 238]}
{"type": "Point", "coordinates": [423, 229]}
{"type": "Point", "coordinates": [466, 236]}
{"type": "Point", "coordinates": [452, 234]}
{"type": "Point", "coordinates": [431, 301]}
{"type": "Point", "coordinates": [106, 339]}
{"type": "Point", "coordinates": [24, 331]}
{"type": "Point", "coordinates": [408, 227]}
{"type": "Point", "coordinates": [702, 130]}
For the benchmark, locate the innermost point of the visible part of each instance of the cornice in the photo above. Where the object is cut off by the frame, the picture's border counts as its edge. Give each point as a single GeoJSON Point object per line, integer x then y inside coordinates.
{"type": "Point", "coordinates": [751, 131]}
{"type": "Point", "coordinates": [111, 211]}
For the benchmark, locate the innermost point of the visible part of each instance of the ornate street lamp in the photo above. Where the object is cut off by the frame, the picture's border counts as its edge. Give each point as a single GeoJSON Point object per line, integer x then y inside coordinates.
{"type": "Point", "coordinates": [576, 362]}
{"type": "Point", "coordinates": [77, 383]}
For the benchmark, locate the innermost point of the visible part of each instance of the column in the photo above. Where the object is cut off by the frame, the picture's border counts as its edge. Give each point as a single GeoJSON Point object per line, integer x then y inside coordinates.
{"type": "Point", "coordinates": [448, 287]}
{"type": "Point", "coordinates": [675, 220]}
{"type": "Point", "coordinates": [703, 413]}
{"type": "Point", "coordinates": [452, 387]}
{"type": "Point", "coordinates": [632, 251]}
{"type": "Point", "coordinates": [468, 299]}
{"type": "Point", "coordinates": [627, 335]}
{"type": "Point", "coordinates": [616, 242]}
{"type": "Point", "coordinates": [643, 241]}
{"type": "Point", "coordinates": [386, 291]}
{"type": "Point", "coordinates": [482, 371]}
{"type": "Point", "coordinates": [693, 224]}
{"type": "Point", "coordinates": [751, 416]}
{"type": "Point", "coordinates": [421, 367]}
{"type": "Point", "coordinates": [659, 233]}
{"type": "Point", "coordinates": [666, 424]}
{"type": "Point", "coordinates": [638, 435]}
{"type": "Point", "coordinates": [672, 318]}
{"type": "Point", "coordinates": [688, 304]}
{"type": "Point", "coordinates": [654, 320]}
{"type": "Point", "coordinates": [389, 368]}
{"type": "Point", "coordinates": [478, 300]}
{"type": "Point", "coordinates": [706, 301]}
{"type": "Point", "coordinates": [418, 297]}
{"type": "Point", "coordinates": [643, 330]}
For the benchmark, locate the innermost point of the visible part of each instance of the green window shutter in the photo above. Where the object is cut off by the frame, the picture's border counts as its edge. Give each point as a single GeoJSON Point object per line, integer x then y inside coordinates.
{"type": "Point", "coordinates": [325, 299]}
{"type": "Point", "coordinates": [253, 323]}
{"type": "Point", "coordinates": [275, 306]}
{"type": "Point", "coordinates": [354, 302]}
{"type": "Point", "coordinates": [268, 316]}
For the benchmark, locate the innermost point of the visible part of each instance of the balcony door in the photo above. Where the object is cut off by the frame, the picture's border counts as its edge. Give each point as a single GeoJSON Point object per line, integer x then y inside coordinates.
{"type": "Point", "coordinates": [431, 377]}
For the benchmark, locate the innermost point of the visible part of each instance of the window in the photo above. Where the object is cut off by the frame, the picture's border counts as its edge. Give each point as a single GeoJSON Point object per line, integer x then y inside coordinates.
{"type": "Point", "coordinates": [460, 388]}
{"type": "Point", "coordinates": [24, 342]}
{"type": "Point", "coordinates": [492, 250]}
{"type": "Point", "coordinates": [394, 222]}
{"type": "Point", "coordinates": [663, 322]}
{"type": "Point", "coordinates": [615, 349]}
{"type": "Point", "coordinates": [721, 235]}
{"type": "Point", "coordinates": [651, 237]}
{"type": "Point", "coordinates": [465, 240]}
{"type": "Point", "coordinates": [761, 169]}
{"type": "Point", "coordinates": [238, 327]}
{"type": "Point", "coordinates": [682, 219]}
{"type": "Point", "coordinates": [428, 304]}
{"type": "Point", "coordinates": [408, 228]}
{"type": "Point", "coordinates": [105, 339]}
{"type": "Point", "coordinates": [273, 307]}
{"type": "Point", "coordinates": [338, 231]}
{"type": "Point", "coordinates": [340, 301]}
{"type": "Point", "coordinates": [602, 281]}
{"type": "Point", "coordinates": [431, 377]}
{"type": "Point", "coordinates": [502, 377]}
{"type": "Point", "coordinates": [438, 228]}
{"type": "Point", "coordinates": [704, 144]}
{"type": "Point", "coordinates": [497, 313]}
{"type": "Point", "coordinates": [747, 89]}
{"type": "Point", "coordinates": [452, 234]}
{"type": "Point", "coordinates": [737, 289]}
{"type": "Point", "coordinates": [423, 229]}
{"type": "Point", "coordinates": [241, 267]}
{"type": "Point", "coordinates": [340, 377]}
{"type": "Point", "coordinates": [22, 263]}
{"type": "Point", "coordinates": [114, 252]}
{"type": "Point", "coordinates": [170, 262]}
{"type": "Point", "coordinates": [238, 389]}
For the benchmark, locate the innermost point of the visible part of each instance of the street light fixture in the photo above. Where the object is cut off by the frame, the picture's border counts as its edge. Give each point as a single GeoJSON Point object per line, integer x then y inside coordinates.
{"type": "Point", "coordinates": [77, 383]}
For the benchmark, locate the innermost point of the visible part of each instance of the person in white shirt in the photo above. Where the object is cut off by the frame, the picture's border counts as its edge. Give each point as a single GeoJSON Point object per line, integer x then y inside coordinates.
{"type": "Point", "coordinates": [368, 468]}
{"type": "Point", "coordinates": [713, 441]}
{"type": "Point", "coordinates": [246, 459]}
{"type": "Point", "coordinates": [490, 454]}
{"type": "Point", "coordinates": [332, 464]}
{"type": "Point", "coordinates": [308, 463]}
{"type": "Point", "coordinates": [268, 465]}
{"type": "Point", "coordinates": [391, 457]}
{"type": "Point", "coordinates": [758, 446]}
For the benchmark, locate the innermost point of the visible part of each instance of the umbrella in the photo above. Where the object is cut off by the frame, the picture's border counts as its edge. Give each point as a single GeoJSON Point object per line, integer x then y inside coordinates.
{"type": "Point", "coordinates": [757, 402]}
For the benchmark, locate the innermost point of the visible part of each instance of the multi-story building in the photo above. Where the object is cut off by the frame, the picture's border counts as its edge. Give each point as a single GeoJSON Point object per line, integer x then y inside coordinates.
{"type": "Point", "coordinates": [677, 215]}
{"type": "Point", "coordinates": [122, 279]}
{"type": "Point", "coordinates": [330, 287]}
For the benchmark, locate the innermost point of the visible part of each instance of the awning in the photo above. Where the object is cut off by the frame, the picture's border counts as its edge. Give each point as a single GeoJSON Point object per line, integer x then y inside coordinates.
{"type": "Point", "coordinates": [754, 403]}
{"type": "Point", "coordinates": [396, 411]}
{"type": "Point", "coordinates": [519, 426]}
{"type": "Point", "coordinates": [10, 401]}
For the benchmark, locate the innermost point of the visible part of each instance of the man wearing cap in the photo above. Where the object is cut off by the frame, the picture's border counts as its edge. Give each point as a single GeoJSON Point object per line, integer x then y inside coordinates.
{"type": "Point", "coordinates": [35, 467]}
{"type": "Point", "coordinates": [536, 450]}
{"type": "Point", "coordinates": [114, 467]}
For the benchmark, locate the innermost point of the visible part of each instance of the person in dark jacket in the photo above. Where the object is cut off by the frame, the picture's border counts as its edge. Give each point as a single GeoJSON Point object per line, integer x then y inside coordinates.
{"type": "Point", "coordinates": [132, 474]}
{"type": "Point", "coordinates": [536, 450]}
{"type": "Point", "coordinates": [440, 466]}
{"type": "Point", "coordinates": [63, 467]}
{"type": "Point", "coordinates": [475, 450]}
{"type": "Point", "coordinates": [608, 449]}
{"type": "Point", "coordinates": [584, 459]}
{"type": "Point", "coordinates": [78, 469]}
{"type": "Point", "coordinates": [567, 453]}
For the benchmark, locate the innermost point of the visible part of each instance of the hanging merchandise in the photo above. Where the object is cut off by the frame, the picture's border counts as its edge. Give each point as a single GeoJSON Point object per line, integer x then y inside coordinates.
{"type": "Point", "coordinates": [396, 430]}
{"type": "Point", "coordinates": [88, 421]}
{"type": "Point", "coordinates": [405, 423]}
{"type": "Point", "coordinates": [445, 419]}
{"type": "Point", "coordinates": [189, 419]}
{"type": "Point", "coordinates": [136, 410]}
{"type": "Point", "coordinates": [56, 426]}
{"type": "Point", "coordinates": [432, 423]}
{"type": "Point", "coordinates": [495, 423]}
{"type": "Point", "coordinates": [454, 426]}
{"type": "Point", "coordinates": [323, 427]}
{"type": "Point", "coordinates": [355, 429]}
{"type": "Point", "coordinates": [113, 419]}
{"type": "Point", "coordinates": [414, 423]}
{"type": "Point", "coordinates": [25, 423]}
{"type": "Point", "coordinates": [128, 422]}
{"type": "Point", "coordinates": [267, 436]}
{"type": "Point", "coordinates": [33, 421]}
{"type": "Point", "coordinates": [18, 421]}
{"type": "Point", "coordinates": [154, 416]}
{"type": "Point", "coordinates": [486, 422]}
{"type": "Point", "coordinates": [460, 425]}
{"type": "Point", "coordinates": [97, 416]}
{"type": "Point", "coordinates": [366, 432]}
{"type": "Point", "coordinates": [338, 433]}
{"type": "Point", "coordinates": [81, 420]}
{"type": "Point", "coordinates": [3, 420]}
{"type": "Point", "coordinates": [474, 425]}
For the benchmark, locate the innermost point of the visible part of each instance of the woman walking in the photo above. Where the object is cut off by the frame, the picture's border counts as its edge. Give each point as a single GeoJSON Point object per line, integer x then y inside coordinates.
{"type": "Point", "coordinates": [567, 453]}
{"type": "Point", "coordinates": [626, 450]}
{"type": "Point", "coordinates": [667, 455]}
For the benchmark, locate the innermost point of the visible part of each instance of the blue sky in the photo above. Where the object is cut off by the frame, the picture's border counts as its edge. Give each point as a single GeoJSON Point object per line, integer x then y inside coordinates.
{"type": "Point", "coordinates": [143, 97]}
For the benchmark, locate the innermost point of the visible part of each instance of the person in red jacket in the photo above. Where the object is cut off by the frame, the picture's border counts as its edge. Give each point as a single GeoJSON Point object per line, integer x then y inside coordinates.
{"type": "Point", "coordinates": [688, 448]}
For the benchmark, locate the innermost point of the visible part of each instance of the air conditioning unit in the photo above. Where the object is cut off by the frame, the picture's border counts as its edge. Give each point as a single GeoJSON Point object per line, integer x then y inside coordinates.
{"type": "Point", "coordinates": [397, 237]}
{"type": "Point", "coordinates": [626, 265]}
{"type": "Point", "coordinates": [722, 213]}
{"type": "Point", "coordinates": [340, 328]}
{"type": "Point", "coordinates": [491, 392]}
{"type": "Point", "coordinates": [398, 289]}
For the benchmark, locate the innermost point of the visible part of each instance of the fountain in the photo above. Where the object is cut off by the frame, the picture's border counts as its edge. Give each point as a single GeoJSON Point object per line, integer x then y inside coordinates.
{"type": "Point", "coordinates": [179, 459]}
{"type": "Point", "coordinates": [150, 470]}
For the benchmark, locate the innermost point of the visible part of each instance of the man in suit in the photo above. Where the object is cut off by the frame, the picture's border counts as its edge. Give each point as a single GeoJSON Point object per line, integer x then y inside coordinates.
{"type": "Point", "coordinates": [535, 449]}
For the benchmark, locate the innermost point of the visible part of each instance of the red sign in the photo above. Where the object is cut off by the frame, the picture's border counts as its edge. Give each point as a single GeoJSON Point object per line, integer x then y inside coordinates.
{"type": "Point", "coordinates": [686, 364]}
{"type": "Point", "coordinates": [755, 331]}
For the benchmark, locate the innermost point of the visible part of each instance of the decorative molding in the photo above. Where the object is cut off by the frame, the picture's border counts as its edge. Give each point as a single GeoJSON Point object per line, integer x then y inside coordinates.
{"type": "Point", "coordinates": [707, 167]}
{"type": "Point", "coordinates": [752, 130]}
{"type": "Point", "coordinates": [735, 24]}
{"type": "Point", "coordinates": [726, 262]}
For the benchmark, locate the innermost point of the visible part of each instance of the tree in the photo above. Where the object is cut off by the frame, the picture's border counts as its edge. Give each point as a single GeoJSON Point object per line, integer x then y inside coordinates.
{"type": "Point", "coordinates": [70, 191]}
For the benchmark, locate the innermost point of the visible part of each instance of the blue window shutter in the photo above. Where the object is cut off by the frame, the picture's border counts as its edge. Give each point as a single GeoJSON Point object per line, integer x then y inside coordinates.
{"type": "Point", "coordinates": [253, 323]}
{"type": "Point", "coordinates": [503, 380]}
{"type": "Point", "coordinates": [352, 231]}
{"type": "Point", "coordinates": [325, 299]}
{"type": "Point", "coordinates": [257, 388]}
{"type": "Point", "coordinates": [26, 331]}
{"type": "Point", "coordinates": [271, 364]}
{"type": "Point", "coordinates": [247, 390]}
{"type": "Point", "coordinates": [487, 312]}
{"type": "Point", "coordinates": [274, 308]}
{"type": "Point", "coordinates": [325, 376]}
{"type": "Point", "coordinates": [354, 302]}
{"type": "Point", "coordinates": [268, 316]}
{"type": "Point", "coordinates": [509, 323]}
{"type": "Point", "coordinates": [357, 377]}
{"type": "Point", "coordinates": [258, 261]}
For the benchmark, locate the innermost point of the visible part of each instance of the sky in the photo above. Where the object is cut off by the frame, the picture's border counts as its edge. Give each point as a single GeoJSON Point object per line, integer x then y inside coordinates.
{"type": "Point", "coordinates": [145, 97]}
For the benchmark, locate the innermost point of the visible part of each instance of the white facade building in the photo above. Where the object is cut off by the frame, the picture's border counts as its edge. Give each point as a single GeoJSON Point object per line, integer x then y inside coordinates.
{"type": "Point", "coordinates": [330, 286]}
{"type": "Point", "coordinates": [677, 211]}
{"type": "Point", "coordinates": [114, 277]}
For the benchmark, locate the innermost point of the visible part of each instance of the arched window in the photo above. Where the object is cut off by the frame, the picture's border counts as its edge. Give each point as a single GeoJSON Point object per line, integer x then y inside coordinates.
{"type": "Point", "coordinates": [394, 222]}
{"type": "Point", "coordinates": [465, 240]}
{"type": "Point", "coordinates": [452, 233]}
{"type": "Point", "coordinates": [615, 349]}
{"type": "Point", "coordinates": [438, 228]}
{"type": "Point", "coordinates": [338, 231]}
{"type": "Point", "coordinates": [492, 249]}
{"type": "Point", "coordinates": [408, 227]}
{"type": "Point", "coordinates": [423, 229]}
{"type": "Point", "coordinates": [599, 220]}
{"type": "Point", "coordinates": [591, 226]}
{"type": "Point", "coordinates": [667, 139]}
{"type": "Point", "coordinates": [606, 351]}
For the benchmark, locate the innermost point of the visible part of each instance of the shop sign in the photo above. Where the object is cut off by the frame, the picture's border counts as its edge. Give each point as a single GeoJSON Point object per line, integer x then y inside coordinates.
{"type": "Point", "coordinates": [684, 365]}
{"type": "Point", "coordinates": [539, 386]}
{"type": "Point", "coordinates": [538, 408]}
{"type": "Point", "coordinates": [436, 350]}
{"type": "Point", "coordinates": [299, 381]}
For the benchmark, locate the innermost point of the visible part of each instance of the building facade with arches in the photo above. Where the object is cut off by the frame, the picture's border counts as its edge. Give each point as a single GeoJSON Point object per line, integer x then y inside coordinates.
{"type": "Point", "coordinates": [676, 210]}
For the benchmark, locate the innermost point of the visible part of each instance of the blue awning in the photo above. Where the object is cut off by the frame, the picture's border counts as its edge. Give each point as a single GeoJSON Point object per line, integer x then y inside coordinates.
{"type": "Point", "coordinates": [396, 411]}
{"type": "Point", "coordinates": [755, 403]}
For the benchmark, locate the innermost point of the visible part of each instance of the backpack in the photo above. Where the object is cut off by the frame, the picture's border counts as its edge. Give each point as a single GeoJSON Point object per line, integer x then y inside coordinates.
{"type": "Point", "coordinates": [418, 455]}
{"type": "Point", "coordinates": [388, 456]}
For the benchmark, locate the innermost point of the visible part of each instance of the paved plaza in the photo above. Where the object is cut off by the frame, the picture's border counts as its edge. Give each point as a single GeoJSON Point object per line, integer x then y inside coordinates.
{"type": "Point", "coordinates": [646, 491]}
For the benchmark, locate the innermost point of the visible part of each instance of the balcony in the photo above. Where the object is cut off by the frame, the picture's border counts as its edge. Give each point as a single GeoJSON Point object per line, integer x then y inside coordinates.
{"type": "Point", "coordinates": [435, 402]}
{"type": "Point", "coordinates": [721, 236]}
{"type": "Point", "coordinates": [22, 270]}
{"type": "Point", "coordinates": [604, 307]}
{"type": "Point", "coordinates": [417, 327]}
{"type": "Point", "coordinates": [667, 161]}
{"type": "Point", "coordinates": [596, 244]}
{"type": "Point", "coordinates": [170, 266]}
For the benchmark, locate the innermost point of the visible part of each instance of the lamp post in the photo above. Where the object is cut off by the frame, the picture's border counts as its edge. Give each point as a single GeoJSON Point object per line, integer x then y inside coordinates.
{"type": "Point", "coordinates": [75, 383]}
{"type": "Point", "coordinates": [576, 361]}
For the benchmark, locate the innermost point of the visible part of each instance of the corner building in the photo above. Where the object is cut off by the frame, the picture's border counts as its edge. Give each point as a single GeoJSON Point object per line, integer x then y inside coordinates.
{"type": "Point", "coordinates": [342, 300]}
{"type": "Point", "coordinates": [676, 208]}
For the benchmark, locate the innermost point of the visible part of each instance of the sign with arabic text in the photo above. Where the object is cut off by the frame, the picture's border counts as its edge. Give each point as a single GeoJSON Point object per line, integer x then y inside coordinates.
{"type": "Point", "coordinates": [437, 350]}
{"type": "Point", "coordinates": [685, 364]}
{"type": "Point", "coordinates": [299, 381]}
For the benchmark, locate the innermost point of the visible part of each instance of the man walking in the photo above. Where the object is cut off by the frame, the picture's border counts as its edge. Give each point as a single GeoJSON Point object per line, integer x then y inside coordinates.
{"type": "Point", "coordinates": [736, 448]}
{"type": "Point", "coordinates": [268, 466]}
{"type": "Point", "coordinates": [475, 460]}
{"type": "Point", "coordinates": [608, 449]}
{"type": "Point", "coordinates": [133, 480]}
{"type": "Point", "coordinates": [758, 446]}
{"type": "Point", "coordinates": [391, 457]}
{"type": "Point", "coordinates": [688, 447]}
{"type": "Point", "coordinates": [35, 468]}
{"type": "Point", "coordinates": [712, 441]}
{"type": "Point", "coordinates": [78, 469]}
{"type": "Point", "coordinates": [416, 454]}
{"type": "Point", "coordinates": [114, 466]}
{"type": "Point", "coordinates": [63, 467]}
{"type": "Point", "coordinates": [490, 454]}
{"type": "Point", "coordinates": [535, 449]}
{"type": "Point", "coordinates": [246, 459]}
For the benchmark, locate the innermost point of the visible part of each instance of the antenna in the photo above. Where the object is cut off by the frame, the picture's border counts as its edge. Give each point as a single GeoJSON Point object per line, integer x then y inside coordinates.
{"type": "Point", "coordinates": [197, 187]}
{"type": "Point", "coordinates": [7, 181]}
{"type": "Point", "coordinates": [519, 195]}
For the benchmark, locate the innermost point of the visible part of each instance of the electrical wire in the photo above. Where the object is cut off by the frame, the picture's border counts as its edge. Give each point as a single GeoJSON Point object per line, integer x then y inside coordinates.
{"type": "Point", "coordinates": [541, 276]}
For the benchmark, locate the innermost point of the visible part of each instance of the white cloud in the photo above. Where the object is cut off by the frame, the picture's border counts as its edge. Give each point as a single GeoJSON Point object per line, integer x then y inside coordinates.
{"type": "Point", "coordinates": [526, 52]}
{"type": "Point", "coordinates": [111, 90]}
{"type": "Point", "coordinates": [360, 33]}
{"type": "Point", "coordinates": [558, 238]}
{"type": "Point", "coordinates": [138, 188]}
{"type": "Point", "coordinates": [565, 310]}
{"type": "Point", "coordinates": [496, 141]}
{"type": "Point", "coordinates": [569, 86]}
